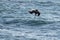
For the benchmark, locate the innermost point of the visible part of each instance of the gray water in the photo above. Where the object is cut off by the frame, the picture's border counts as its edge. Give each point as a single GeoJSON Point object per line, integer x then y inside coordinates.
{"type": "Point", "coordinates": [17, 24]}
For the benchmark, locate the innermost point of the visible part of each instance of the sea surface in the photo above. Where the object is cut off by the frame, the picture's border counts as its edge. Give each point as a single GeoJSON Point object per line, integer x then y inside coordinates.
{"type": "Point", "coordinates": [16, 23]}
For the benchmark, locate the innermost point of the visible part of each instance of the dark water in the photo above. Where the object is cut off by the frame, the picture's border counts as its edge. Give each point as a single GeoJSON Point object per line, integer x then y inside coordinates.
{"type": "Point", "coordinates": [17, 24]}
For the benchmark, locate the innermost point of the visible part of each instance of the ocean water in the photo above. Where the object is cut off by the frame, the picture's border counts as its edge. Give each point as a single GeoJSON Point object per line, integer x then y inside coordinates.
{"type": "Point", "coordinates": [17, 24]}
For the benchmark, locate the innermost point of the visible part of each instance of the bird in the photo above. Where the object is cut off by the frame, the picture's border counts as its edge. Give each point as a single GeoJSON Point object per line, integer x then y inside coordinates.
{"type": "Point", "coordinates": [35, 11]}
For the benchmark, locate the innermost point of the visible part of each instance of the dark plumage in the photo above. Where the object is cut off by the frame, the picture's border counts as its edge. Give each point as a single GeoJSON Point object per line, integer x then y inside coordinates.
{"type": "Point", "coordinates": [34, 11]}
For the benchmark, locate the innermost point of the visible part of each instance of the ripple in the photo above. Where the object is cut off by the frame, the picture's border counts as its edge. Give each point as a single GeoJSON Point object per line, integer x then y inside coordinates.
{"type": "Point", "coordinates": [17, 24]}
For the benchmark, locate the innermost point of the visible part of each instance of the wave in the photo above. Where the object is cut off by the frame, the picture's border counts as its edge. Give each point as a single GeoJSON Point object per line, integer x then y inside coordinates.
{"type": "Point", "coordinates": [45, 4]}
{"type": "Point", "coordinates": [28, 22]}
